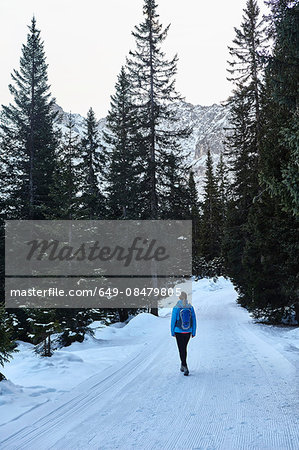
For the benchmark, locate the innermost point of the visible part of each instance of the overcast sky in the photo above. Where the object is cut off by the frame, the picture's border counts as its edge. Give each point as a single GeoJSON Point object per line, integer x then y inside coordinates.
{"type": "Point", "coordinates": [86, 42]}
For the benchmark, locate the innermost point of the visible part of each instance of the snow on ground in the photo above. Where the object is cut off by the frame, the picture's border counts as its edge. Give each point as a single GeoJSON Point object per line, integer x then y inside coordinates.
{"type": "Point", "coordinates": [123, 389]}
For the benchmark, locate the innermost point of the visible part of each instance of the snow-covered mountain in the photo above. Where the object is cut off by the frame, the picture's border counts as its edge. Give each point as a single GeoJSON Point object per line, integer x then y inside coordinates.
{"type": "Point", "coordinates": [208, 123]}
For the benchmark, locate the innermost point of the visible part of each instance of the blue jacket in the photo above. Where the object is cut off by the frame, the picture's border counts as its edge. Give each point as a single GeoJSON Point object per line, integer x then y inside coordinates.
{"type": "Point", "coordinates": [175, 317]}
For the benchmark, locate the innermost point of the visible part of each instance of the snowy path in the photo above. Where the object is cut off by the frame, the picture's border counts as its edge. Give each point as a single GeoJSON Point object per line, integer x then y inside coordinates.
{"type": "Point", "coordinates": [242, 393]}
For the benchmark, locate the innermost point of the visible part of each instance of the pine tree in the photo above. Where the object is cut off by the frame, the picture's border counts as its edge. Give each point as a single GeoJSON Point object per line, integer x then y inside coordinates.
{"type": "Point", "coordinates": [2, 255]}
{"type": "Point", "coordinates": [283, 63]}
{"type": "Point", "coordinates": [152, 77]}
{"type": "Point", "coordinates": [210, 240]}
{"type": "Point", "coordinates": [247, 61]}
{"type": "Point", "coordinates": [28, 135]}
{"type": "Point", "coordinates": [269, 258]}
{"type": "Point", "coordinates": [92, 200]}
{"type": "Point", "coordinates": [153, 82]}
{"type": "Point", "coordinates": [280, 172]}
{"type": "Point", "coordinates": [7, 345]}
{"type": "Point", "coordinates": [43, 324]}
{"type": "Point", "coordinates": [125, 175]}
{"type": "Point", "coordinates": [74, 325]}
{"type": "Point", "coordinates": [28, 141]}
{"type": "Point", "coordinates": [261, 246]}
{"type": "Point", "coordinates": [174, 192]}
{"type": "Point", "coordinates": [194, 215]}
{"type": "Point", "coordinates": [270, 262]}
{"type": "Point", "coordinates": [222, 179]}
{"type": "Point", "coordinates": [19, 326]}
{"type": "Point", "coordinates": [223, 190]}
{"type": "Point", "coordinates": [244, 141]}
{"type": "Point", "coordinates": [242, 163]}
{"type": "Point", "coordinates": [65, 188]}
{"type": "Point", "coordinates": [65, 191]}
{"type": "Point", "coordinates": [289, 193]}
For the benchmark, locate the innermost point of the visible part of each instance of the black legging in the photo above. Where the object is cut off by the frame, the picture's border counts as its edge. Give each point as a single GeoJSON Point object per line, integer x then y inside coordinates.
{"type": "Point", "coordinates": [182, 340]}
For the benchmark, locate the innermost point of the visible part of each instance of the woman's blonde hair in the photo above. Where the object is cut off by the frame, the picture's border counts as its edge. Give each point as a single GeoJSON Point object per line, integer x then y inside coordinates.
{"type": "Point", "coordinates": [183, 296]}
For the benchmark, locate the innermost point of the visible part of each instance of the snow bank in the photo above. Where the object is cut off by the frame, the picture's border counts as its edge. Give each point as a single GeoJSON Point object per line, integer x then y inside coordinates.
{"type": "Point", "coordinates": [209, 284]}
{"type": "Point", "coordinates": [34, 379]}
{"type": "Point", "coordinates": [7, 388]}
{"type": "Point", "coordinates": [142, 324]}
{"type": "Point", "coordinates": [294, 334]}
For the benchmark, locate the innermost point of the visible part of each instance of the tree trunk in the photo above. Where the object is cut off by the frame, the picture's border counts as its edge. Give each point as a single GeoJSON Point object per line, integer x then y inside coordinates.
{"type": "Point", "coordinates": [45, 346]}
{"type": "Point", "coordinates": [296, 307]}
{"type": "Point", "coordinates": [31, 145]}
{"type": "Point", "coordinates": [2, 377]}
{"type": "Point", "coordinates": [155, 312]}
{"type": "Point", "coordinates": [49, 345]}
{"type": "Point", "coordinates": [123, 314]}
{"type": "Point", "coordinates": [154, 203]}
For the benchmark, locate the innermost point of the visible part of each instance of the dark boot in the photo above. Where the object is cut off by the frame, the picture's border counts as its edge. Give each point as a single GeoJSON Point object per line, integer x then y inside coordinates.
{"type": "Point", "coordinates": [186, 371]}
{"type": "Point", "coordinates": [182, 368]}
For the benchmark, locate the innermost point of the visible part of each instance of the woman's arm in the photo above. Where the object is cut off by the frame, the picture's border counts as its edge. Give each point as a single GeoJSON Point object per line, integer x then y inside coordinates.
{"type": "Point", "coordinates": [193, 322]}
{"type": "Point", "coordinates": [173, 321]}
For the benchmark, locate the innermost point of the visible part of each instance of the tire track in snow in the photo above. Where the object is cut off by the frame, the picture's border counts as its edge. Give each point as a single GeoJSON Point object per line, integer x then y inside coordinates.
{"type": "Point", "coordinates": [89, 393]}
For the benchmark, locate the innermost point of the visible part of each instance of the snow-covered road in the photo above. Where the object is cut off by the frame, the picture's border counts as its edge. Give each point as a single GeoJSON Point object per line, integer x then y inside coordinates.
{"type": "Point", "coordinates": [242, 392]}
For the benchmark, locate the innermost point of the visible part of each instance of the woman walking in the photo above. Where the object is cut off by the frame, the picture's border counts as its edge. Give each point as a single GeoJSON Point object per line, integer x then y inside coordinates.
{"type": "Point", "coordinates": [183, 325]}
